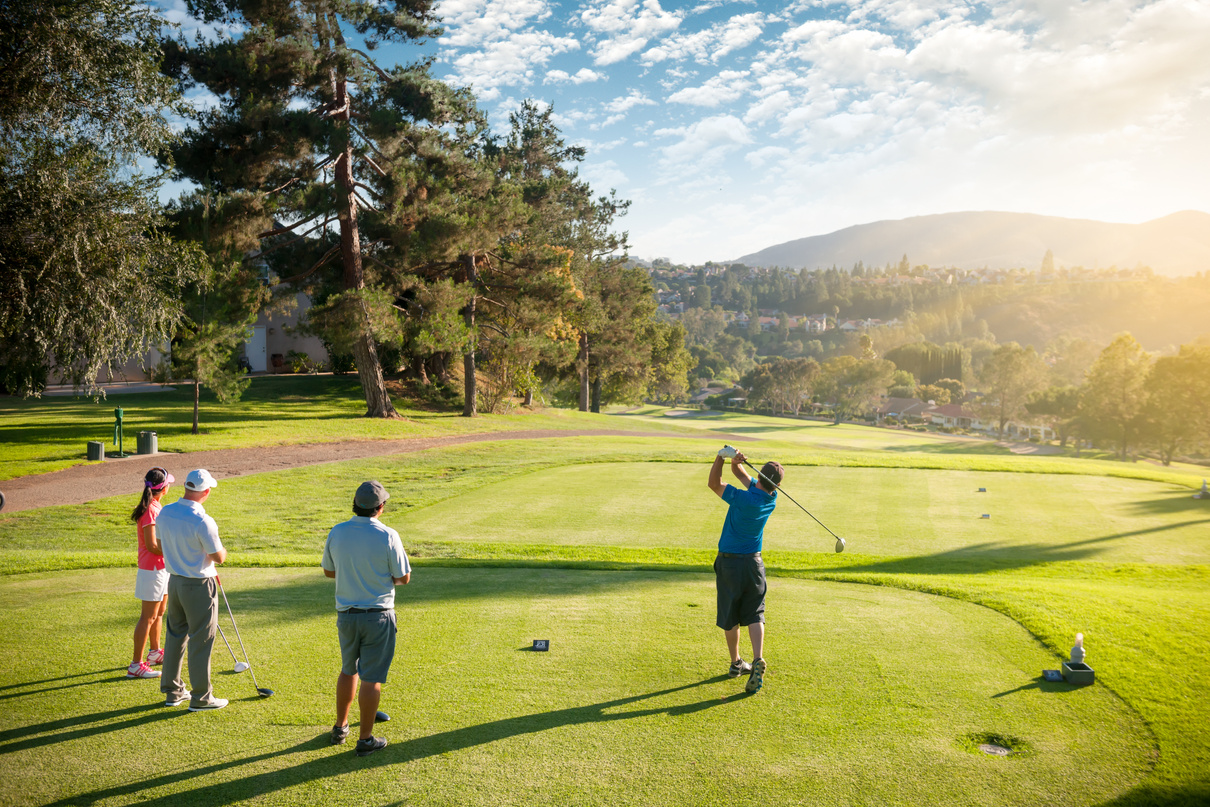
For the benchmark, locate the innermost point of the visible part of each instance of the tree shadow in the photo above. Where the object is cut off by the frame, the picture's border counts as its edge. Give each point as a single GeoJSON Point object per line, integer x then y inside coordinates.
{"type": "Point", "coordinates": [74, 728]}
{"type": "Point", "coordinates": [121, 675]}
{"type": "Point", "coordinates": [60, 678]}
{"type": "Point", "coordinates": [1191, 794]}
{"type": "Point", "coordinates": [342, 760]}
{"type": "Point", "coordinates": [1172, 503]}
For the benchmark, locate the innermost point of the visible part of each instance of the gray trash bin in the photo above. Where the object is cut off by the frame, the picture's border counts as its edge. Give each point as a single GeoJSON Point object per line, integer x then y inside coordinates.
{"type": "Point", "coordinates": [148, 443]}
{"type": "Point", "coordinates": [96, 451]}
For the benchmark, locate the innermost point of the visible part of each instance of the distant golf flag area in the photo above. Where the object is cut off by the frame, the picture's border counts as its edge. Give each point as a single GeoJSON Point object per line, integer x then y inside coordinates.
{"type": "Point", "coordinates": [907, 670]}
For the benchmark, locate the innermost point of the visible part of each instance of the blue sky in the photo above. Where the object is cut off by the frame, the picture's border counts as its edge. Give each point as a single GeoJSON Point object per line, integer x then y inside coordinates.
{"type": "Point", "coordinates": [733, 126]}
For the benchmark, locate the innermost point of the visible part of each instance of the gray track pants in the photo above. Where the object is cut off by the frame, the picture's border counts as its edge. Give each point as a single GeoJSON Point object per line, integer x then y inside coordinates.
{"type": "Point", "coordinates": [191, 618]}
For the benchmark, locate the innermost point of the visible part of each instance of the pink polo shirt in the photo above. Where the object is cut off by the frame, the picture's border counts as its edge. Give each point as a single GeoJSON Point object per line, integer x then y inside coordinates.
{"type": "Point", "coordinates": [149, 560]}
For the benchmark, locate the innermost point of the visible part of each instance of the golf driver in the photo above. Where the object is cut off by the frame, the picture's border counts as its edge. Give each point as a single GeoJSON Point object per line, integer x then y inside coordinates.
{"type": "Point", "coordinates": [839, 540]}
{"type": "Point", "coordinates": [239, 665]}
{"type": "Point", "coordinates": [262, 691]}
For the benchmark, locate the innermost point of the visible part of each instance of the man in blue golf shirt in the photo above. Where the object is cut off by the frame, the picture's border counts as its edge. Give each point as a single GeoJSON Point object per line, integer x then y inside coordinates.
{"type": "Point", "coordinates": [739, 571]}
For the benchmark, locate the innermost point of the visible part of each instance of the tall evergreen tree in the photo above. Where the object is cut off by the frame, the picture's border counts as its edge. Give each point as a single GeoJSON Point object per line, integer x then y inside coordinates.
{"type": "Point", "coordinates": [313, 132]}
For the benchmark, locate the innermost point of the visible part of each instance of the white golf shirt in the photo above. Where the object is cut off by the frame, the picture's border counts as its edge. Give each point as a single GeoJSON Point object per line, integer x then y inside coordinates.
{"type": "Point", "coordinates": [188, 536]}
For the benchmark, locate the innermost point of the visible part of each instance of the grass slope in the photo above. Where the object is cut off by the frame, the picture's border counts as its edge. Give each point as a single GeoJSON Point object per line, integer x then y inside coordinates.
{"type": "Point", "coordinates": [628, 707]}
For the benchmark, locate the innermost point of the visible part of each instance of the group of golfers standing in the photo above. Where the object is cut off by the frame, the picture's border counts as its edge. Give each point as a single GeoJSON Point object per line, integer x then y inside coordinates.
{"type": "Point", "coordinates": [177, 581]}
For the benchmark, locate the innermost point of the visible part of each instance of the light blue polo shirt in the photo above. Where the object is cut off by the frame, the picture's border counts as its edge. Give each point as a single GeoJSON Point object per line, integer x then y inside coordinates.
{"type": "Point", "coordinates": [744, 527]}
{"type": "Point", "coordinates": [366, 555]}
{"type": "Point", "coordinates": [187, 536]}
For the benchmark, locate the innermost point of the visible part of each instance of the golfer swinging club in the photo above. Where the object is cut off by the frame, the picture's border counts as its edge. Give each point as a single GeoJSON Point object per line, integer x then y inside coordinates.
{"type": "Point", "coordinates": [739, 571]}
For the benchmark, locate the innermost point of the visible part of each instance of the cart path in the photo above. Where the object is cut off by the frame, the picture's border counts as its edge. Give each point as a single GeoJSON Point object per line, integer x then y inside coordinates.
{"type": "Point", "coordinates": [114, 477]}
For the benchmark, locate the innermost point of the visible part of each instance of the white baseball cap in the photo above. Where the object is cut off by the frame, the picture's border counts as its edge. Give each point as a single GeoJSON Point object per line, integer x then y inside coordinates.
{"type": "Point", "coordinates": [200, 479]}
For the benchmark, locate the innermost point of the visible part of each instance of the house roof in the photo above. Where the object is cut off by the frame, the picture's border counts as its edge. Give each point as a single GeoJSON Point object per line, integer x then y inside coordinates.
{"type": "Point", "coordinates": [952, 410]}
{"type": "Point", "coordinates": [902, 406]}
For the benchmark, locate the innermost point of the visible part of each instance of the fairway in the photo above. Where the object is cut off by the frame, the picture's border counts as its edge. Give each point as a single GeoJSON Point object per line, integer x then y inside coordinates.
{"type": "Point", "coordinates": [629, 707]}
{"type": "Point", "coordinates": [880, 511]}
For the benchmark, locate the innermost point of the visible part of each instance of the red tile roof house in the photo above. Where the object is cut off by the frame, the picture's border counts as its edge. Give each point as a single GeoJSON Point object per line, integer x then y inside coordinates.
{"type": "Point", "coordinates": [952, 416]}
{"type": "Point", "coordinates": [901, 408]}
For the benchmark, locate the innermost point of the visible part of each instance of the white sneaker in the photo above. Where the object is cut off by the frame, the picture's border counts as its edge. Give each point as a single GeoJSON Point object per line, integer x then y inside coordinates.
{"type": "Point", "coordinates": [155, 656]}
{"type": "Point", "coordinates": [141, 669]}
{"type": "Point", "coordinates": [171, 701]}
{"type": "Point", "coordinates": [217, 703]}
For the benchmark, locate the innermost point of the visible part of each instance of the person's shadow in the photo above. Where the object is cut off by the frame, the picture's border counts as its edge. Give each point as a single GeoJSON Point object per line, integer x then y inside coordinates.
{"type": "Point", "coordinates": [343, 760]}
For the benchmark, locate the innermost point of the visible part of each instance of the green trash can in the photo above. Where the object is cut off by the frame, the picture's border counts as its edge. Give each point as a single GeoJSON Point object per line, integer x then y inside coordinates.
{"type": "Point", "coordinates": [96, 451]}
{"type": "Point", "coordinates": [148, 443]}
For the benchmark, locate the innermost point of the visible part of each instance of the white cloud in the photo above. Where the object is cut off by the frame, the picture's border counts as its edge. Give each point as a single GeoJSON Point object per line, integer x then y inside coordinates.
{"type": "Point", "coordinates": [509, 62]}
{"type": "Point", "coordinates": [626, 26]}
{"type": "Point", "coordinates": [723, 88]}
{"type": "Point", "coordinates": [626, 103]}
{"type": "Point", "coordinates": [703, 142]}
{"type": "Point", "coordinates": [472, 23]}
{"type": "Point", "coordinates": [710, 45]}
{"type": "Point", "coordinates": [582, 76]}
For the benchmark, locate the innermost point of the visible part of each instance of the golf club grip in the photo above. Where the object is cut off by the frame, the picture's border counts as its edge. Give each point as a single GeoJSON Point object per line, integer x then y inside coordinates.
{"type": "Point", "coordinates": [791, 498]}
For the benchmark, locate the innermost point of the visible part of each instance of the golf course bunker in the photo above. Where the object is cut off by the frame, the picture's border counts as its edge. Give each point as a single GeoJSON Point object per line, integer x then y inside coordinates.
{"type": "Point", "coordinates": [869, 694]}
{"type": "Point", "coordinates": [879, 511]}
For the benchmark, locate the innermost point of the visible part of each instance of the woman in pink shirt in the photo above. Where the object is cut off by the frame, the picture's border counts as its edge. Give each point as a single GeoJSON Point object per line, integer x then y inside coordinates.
{"type": "Point", "coordinates": [151, 582]}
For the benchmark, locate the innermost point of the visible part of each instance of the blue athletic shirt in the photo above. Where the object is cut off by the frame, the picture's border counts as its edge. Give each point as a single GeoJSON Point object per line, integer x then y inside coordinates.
{"type": "Point", "coordinates": [744, 527]}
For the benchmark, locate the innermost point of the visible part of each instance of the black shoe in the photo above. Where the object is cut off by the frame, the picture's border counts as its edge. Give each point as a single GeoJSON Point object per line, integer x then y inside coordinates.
{"type": "Point", "coordinates": [339, 734]}
{"type": "Point", "coordinates": [370, 745]}
{"type": "Point", "coordinates": [739, 668]}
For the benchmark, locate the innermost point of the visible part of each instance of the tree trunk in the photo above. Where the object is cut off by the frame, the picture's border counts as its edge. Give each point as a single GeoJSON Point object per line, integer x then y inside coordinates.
{"type": "Point", "coordinates": [596, 394]}
{"type": "Point", "coordinates": [470, 406]}
{"type": "Point", "coordinates": [582, 365]}
{"type": "Point", "coordinates": [529, 398]}
{"type": "Point", "coordinates": [369, 368]}
{"type": "Point", "coordinates": [418, 370]}
{"type": "Point", "coordinates": [196, 394]}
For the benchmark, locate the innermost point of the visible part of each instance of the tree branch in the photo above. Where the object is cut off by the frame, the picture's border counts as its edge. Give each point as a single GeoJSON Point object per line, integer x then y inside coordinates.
{"type": "Point", "coordinates": [381, 73]}
{"type": "Point", "coordinates": [280, 230]}
{"type": "Point", "coordinates": [373, 165]}
{"type": "Point", "coordinates": [295, 240]}
{"type": "Point", "coordinates": [318, 264]}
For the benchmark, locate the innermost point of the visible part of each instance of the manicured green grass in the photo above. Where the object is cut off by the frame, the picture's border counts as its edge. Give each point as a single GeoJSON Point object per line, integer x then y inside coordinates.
{"type": "Point", "coordinates": [629, 707]}
{"type": "Point", "coordinates": [42, 435]}
{"type": "Point", "coordinates": [609, 537]}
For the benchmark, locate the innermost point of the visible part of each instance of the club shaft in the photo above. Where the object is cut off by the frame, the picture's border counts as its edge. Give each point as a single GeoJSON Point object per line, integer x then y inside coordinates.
{"type": "Point", "coordinates": [243, 649]}
{"type": "Point", "coordinates": [791, 498]}
{"type": "Point", "coordinates": [232, 652]}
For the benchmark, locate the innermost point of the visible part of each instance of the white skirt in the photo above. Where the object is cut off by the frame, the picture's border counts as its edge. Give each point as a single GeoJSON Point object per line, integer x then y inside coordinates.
{"type": "Point", "coordinates": [151, 585]}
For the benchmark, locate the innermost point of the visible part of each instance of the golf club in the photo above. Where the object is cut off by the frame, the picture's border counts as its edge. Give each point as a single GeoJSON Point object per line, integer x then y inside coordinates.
{"type": "Point", "coordinates": [262, 691]}
{"type": "Point", "coordinates": [239, 665]}
{"type": "Point", "coordinates": [839, 540]}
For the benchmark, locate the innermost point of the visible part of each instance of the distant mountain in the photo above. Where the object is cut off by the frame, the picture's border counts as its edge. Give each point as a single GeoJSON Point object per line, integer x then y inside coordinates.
{"type": "Point", "coordinates": [1174, 245]}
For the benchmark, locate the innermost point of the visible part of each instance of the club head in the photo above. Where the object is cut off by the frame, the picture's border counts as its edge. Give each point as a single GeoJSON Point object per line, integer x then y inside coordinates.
{"type": "Point", "coordinates": [839, 545]}
{"type": "Point", "coordinates": [381, 717]}
{"type": "Point", "coordinates": [264, 692]}
{"type": "Point", "coordinates": [240, 666]}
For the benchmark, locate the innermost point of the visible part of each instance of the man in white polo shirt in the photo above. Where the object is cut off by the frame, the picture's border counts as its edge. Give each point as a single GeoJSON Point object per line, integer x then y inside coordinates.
{"type": "Point", "coordinates": [191, 547]}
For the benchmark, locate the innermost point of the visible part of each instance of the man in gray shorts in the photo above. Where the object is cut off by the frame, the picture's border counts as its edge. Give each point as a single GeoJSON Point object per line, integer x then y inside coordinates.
{"type": "Point", "coordinates": [367, 560]}
{"type": "Point", "coordinates": [738, 568]}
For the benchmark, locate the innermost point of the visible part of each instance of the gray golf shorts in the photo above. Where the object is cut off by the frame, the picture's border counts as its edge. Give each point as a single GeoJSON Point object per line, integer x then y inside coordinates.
{"type": "Point", "coordinates": [367, 644]}
{"type": "Point", "coordinates": [741, 589]}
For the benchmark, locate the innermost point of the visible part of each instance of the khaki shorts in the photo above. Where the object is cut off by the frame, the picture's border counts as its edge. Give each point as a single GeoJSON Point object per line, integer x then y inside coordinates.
{"type": "Point", "coordinates": [151, 585]}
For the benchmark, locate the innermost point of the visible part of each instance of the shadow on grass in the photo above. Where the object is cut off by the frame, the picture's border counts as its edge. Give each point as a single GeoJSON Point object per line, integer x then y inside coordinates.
{"type": "Point", "coordinates": [342, 760]}
{"type": "Point", "coordinates": [1173, 502]}
{"type": "Point", "coordinates": [316, 597]}
{"type": "Point", "coordinates": [1059, 687]}
{"type": "Point", "coordinates": [991, 557]}
{"type": "Point", "coordinates": [1195, 794]}
{"type": "Point", "coordinates": [120, 672]}
{"type": "Point", "coordinates": [55, 731]}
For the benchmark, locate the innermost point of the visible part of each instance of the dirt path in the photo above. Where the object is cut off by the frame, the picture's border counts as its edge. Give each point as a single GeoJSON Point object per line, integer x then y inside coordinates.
{"type": "Point", "coordinates": [86, 483]}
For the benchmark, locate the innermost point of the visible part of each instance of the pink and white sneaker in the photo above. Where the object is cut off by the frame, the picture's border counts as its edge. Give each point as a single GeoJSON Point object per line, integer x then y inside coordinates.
{"type": "Point", "coordinates": [155, 656]}
{"type": "Point", "coordinates": [141, 670]}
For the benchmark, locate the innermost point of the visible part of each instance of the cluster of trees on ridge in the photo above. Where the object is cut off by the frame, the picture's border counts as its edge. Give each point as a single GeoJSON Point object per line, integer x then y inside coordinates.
{"type": "Point", "coordinates": [1124, 398]}
{"type": "Point", "coordinates": [379, 191]}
